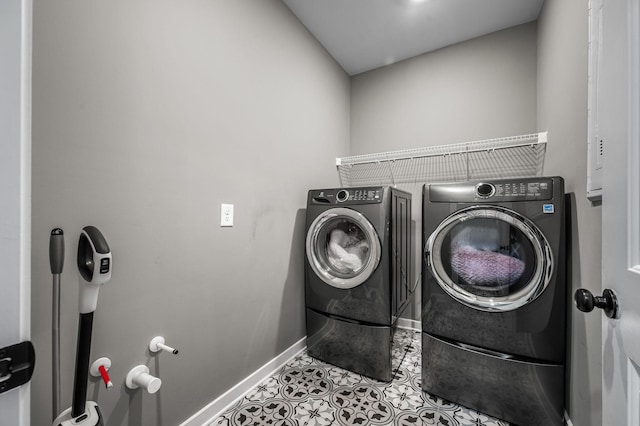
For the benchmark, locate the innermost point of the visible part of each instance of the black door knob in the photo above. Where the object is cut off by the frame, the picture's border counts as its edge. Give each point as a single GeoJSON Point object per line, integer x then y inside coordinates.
{"type": "Point", "coordinates": [586, 301]}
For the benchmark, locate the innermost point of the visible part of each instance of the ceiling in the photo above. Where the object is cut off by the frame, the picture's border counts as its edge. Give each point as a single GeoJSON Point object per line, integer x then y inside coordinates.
{"type": "Point", "coordinates": [365, 34]}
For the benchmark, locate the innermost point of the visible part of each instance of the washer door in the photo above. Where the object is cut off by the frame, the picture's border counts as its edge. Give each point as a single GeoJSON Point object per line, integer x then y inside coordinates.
{"type": "Point", "coordinates": [490, 258]}
{"type": "Point", "coordinates": [343, 248]}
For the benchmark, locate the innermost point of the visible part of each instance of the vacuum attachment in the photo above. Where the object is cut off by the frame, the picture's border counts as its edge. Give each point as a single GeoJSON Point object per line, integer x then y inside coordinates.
{"type": "Point", "coordinates": [90, 417]}
{"type": "Point", "coordinates": [94, 264]}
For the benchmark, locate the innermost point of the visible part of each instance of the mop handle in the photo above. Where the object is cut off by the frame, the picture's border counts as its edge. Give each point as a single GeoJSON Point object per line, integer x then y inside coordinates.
{"type": "Point", "coordinates": [56, 261]}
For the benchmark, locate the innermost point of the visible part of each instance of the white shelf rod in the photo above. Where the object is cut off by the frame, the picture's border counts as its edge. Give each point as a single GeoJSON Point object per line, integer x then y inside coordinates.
{"type": "Point", "coordinates": [442, 150]}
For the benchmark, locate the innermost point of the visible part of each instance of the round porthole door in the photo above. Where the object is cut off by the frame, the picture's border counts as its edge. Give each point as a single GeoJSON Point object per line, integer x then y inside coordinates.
{"type": "Point", "coordinates": [490, 258]}
{"type": "Point", "coordinates": [343, 248]}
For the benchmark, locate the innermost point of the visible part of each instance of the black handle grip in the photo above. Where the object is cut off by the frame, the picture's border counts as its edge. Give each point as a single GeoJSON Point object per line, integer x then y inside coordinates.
{"type": "Point", "coordinates": [99, 242]}
{"type": "Point", "coordinates": [586, 301]}
{"type": "Point", "coordinates": [56, 251]}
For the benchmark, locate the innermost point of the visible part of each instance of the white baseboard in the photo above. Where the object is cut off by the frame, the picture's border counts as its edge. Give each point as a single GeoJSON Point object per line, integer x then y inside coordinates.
{"type": "Point", "coordinates": [409, 324]}
{"type": "Point", "coordinates": [213, 410]}
{"type": "Point", "coordinates": [220, 404]}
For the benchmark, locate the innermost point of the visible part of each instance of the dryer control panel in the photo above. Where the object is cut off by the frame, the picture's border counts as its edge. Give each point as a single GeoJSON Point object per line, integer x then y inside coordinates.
{"type": "Point", "coordinates": [526, 189]}
{"type": "Point", "coordinates": [347, 196]}
{"type": "Point", "coordinates": [537, 190]}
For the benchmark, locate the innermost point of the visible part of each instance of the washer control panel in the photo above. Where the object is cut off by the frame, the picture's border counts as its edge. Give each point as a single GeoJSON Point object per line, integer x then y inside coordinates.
{"type": "Point", "coordinates": [524, 189]}
{"type": "Point", "coordinates": [365, 195]}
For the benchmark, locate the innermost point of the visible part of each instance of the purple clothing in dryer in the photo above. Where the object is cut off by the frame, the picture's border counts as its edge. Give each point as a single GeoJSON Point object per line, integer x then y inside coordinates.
{"type": "Point", "coordinates": [485, 268]}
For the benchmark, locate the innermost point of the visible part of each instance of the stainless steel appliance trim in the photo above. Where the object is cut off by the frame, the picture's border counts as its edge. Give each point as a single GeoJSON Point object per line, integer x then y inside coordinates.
{"type": "Point", "coordinates": [537, 284]}
{"type": "Point", "coordinates": [324, 271]}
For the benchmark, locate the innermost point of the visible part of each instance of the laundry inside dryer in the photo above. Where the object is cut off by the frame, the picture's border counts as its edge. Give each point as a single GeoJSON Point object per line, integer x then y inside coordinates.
{"type": "Point", "coordinates": [488, 255]}
{"type": "Point", "coordinates": [347, 246]}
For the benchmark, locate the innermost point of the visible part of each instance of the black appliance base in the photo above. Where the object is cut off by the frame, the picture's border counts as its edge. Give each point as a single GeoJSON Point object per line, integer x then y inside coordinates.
{"type": "Point", "coordinates": [362, 348]}
{"type": "Point", "coordinates": [520, 392]}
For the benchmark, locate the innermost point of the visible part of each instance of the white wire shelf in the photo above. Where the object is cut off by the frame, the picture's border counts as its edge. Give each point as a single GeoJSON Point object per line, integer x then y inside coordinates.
{"type": "Point", "coordinates": [515, 156]}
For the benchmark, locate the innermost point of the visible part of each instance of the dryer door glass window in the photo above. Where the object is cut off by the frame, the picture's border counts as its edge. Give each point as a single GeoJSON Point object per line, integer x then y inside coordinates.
{"type": "Point", "coordinates": [343, 248]}
{"type": "Point", "coordinates": [492, 259]}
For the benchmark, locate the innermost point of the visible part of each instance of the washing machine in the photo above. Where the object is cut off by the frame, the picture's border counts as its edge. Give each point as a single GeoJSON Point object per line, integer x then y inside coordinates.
{"type": "Point", "coordinates": [357, 275]}
{"type": "Point", "coordinates": [494, 297]}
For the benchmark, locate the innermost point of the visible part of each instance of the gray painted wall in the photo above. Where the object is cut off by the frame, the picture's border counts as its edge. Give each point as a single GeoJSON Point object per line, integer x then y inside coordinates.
{"type": "Point", "coordinates": [480, 89]}
{"type": "Point", "coordinates": [146, 117]}
{"type": "Point", "coordinates": [562, 110]}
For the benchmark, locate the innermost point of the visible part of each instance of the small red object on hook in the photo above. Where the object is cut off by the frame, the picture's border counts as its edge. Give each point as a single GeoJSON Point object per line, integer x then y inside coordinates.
{"type": "Point", "coordinates": [100, 368]}
{"type": "Point", "coordinates": [105, 377]}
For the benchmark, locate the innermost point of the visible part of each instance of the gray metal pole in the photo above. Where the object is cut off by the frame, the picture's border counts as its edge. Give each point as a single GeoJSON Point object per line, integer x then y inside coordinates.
{"type": "Point", "coordinates": [55, 345]}
{"type": "Point", "coordinates": [56, 261]}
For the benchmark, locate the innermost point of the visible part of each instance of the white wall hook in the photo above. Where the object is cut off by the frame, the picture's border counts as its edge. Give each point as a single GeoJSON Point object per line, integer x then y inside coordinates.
{"type": "Point", "coordinates": [157, 345]}
{"type": "Point", "coordinates": [139, 377]}
{"type": "Point", "coordinates": [99, 368]}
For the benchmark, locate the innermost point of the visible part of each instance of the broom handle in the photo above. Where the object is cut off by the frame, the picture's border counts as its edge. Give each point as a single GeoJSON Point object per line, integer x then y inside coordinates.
{"type": "Point", "coordinates": [56, 261]}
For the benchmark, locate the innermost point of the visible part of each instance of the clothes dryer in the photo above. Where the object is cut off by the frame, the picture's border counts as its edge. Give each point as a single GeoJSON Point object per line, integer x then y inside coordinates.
{"type": "Point", "coordinates": [357, 275]}
{"type": "Point", "coordinates": [494, 297]}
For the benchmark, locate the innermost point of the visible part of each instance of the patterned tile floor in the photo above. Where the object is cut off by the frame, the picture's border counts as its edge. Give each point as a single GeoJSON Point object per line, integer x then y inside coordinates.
{"type": "Point", "coordinates": [308, 392]}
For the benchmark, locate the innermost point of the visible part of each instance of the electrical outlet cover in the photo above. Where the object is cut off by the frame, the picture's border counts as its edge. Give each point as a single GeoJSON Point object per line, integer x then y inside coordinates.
{"type": "Point", "coordinates": [226, 215]}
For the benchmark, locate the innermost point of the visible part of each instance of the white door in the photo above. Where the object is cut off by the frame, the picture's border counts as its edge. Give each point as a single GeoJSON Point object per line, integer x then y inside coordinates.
{"type": "Point", "coordinates": [620, 130]}
{"type": "Point", "coordinates": [15, 36]}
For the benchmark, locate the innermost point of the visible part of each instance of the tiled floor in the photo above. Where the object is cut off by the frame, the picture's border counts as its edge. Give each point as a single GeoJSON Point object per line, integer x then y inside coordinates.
{"type": "Point", "coordinates": [308, 392]}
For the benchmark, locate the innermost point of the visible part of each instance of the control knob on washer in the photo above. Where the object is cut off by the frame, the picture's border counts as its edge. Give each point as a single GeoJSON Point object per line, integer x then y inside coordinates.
{"type": "Point", "coordinates": [485, 190]}
{"type": "Point", "coordinates": [342, 195]}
